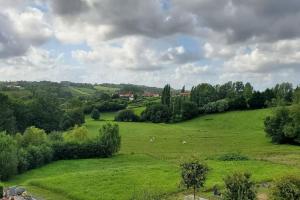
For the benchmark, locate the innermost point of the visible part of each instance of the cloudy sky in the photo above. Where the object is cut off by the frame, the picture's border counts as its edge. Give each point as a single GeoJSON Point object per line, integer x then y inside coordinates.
{"type": "Point", "coordinates": [151, 42]}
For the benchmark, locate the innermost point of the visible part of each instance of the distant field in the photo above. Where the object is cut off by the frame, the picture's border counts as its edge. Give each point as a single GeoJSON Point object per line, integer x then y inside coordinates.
{"type": "Point", "coordinates": [151, 153]}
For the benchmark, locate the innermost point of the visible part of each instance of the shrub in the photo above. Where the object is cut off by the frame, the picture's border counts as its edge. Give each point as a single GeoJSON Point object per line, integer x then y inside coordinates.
{"type": "Point", "coordinates": [8, 156]}
{"type": "Point", "coordinates": [189, 110]}
{"type": "Point", "coordinates": [72, 118]}
{"type": "Point", "coordinates": [284, 125]}
{"type": "Point", "coordinates": [156, 113]}
{"type": "Point", "coordinates": [110, 139]}
{"type": "Point", "coordinates": [39, 155]}
{"type": "Point", "coordinates": [232, 157]}
{"type": "Point", "coordinates": [55, 136]}
{"type": "Point", "coordinates": [238, 186]}
{"type": "Point", "coordinates": [193, 174]}
{"type": "Point", "coordinates": [34, 136]}
{"type": "Point", "coordinates": [126, 116]}
{"type": "Point", "coordinates": [95, 114]}
{"type": "Point", "coordinates": [287, 188]}
{"type": "Point", "coordinates": [78, 134]}
{"type": "Point", "coordinates": [23, 162]}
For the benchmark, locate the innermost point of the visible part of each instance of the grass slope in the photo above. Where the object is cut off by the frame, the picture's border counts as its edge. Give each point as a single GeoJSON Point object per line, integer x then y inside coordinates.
{"type": "Point", "coordinates": [151, 153]}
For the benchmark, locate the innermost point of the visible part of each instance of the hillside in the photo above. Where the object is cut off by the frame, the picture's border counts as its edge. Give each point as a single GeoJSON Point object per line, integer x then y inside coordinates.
{"type": "Point", "coordinates": [151, 153]}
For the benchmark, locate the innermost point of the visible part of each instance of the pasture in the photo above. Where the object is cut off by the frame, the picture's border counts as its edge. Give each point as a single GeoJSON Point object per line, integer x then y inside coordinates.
{"type": "Point", "coordinates": [151, 153]}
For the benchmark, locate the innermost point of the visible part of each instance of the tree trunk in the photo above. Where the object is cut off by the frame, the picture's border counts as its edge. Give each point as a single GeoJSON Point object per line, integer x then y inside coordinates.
{"type": "Point", "coordinates": [194, 193]}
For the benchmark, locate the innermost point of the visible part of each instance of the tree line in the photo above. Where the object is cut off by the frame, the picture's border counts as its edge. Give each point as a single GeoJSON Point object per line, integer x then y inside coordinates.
{"type": "Point", "coordinates": [35, 148]}
{"type": "Point", "coordinates": [206, 98]}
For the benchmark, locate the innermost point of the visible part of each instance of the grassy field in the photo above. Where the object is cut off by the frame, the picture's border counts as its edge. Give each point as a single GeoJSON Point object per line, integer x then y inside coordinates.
{"type": "Point", "coordinates": [150, 156]}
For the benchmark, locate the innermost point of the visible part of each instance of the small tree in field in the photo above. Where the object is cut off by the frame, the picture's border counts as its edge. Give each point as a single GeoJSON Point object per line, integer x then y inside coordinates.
{"type": "Point", "coordinates": [193, 174]}
{"type": "Point", "coordinates": [110, 139]}
{"type": "Point", "coordinates": [238, 186]}
{"type": "Point", "coordinates": [95, 114]}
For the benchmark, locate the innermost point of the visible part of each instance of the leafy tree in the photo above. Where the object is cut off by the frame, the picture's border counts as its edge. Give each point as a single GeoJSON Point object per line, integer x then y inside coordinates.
{"type": "Point", "coordinates": [177, 109]}
{"type": "Point", "coordinates": [33, 136]}
{"type": "Point", "coordinates": [71, 118]}
{"type": "Point", "coordinates": [284, 125]}
{"type": "Point", "coordinates": [203, 94]}
{"type": "Point", "coordinates": [257, 100]}
{"type": "Point", "coordinates": [126, 116]}
{"type": "Point", "coordinates": [248, 91]}
{"type": "Point", "coordinates": [110, 139]}
{"type": "Point", "coordinates": [78, 134]}
{"type": "Point", "coordinates": [239, 186]}
{"type": "Point", "coordinates": [296, 96]}
{"type": "Point", "coordinates": [8, 156]}
{"type": "Point", "coordinates": [156, 113]}
{"type": "Point", "coordinates": [95, 114]}
{"type": "Point", "coordinates": [284, 92]}
{"type": "Point", "coordinates": [7, 118]}
{"type": "Point", "coordinates": [193, 174]}
{"type": "Point", "coordinates": [189, 110]}
{"type": "Point", "coordinates": [238, 103]}
{"type": "Point", "coordinates": [166, 95]}
{"type": "Point", "coordinates": [287, 188]}
{"type": "Point", "coordinates": [46, 113]}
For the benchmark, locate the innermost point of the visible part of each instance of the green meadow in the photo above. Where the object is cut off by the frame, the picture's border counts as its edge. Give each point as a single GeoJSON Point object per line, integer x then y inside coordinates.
{"type": "Point", "coordinates": [151, 153]}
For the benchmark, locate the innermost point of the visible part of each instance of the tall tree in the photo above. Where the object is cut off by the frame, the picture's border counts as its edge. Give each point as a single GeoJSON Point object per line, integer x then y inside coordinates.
{"type": "Point", "coordinates": [166, 95]}
{"type": "Point", "coordinates": [248, 91]}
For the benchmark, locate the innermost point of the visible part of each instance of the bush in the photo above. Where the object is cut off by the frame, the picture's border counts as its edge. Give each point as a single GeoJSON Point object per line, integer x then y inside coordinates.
{"type": "Point", "coordinates": [105, 145]}
{"type": "Point", "coordinates": [95, 114]}
{"type": "Point", "coordinates": [287, 188]}
{"type": "Point", "coordinates": [238, 186]}
{"type": "Point", "coordinates": [39, 155]}
{"type": "Point", "coordinates": [55, 136]}
{"type": "Point", "coordinates": [189, 110]}
{"type": "Point", "coordinates": [232, 157]}
{"type": "Point", "coordinates": [33, 136]}
{"type": "Point", "coordinates": [23, 160]}
{"type": "Point", "coordinates": [156, 113]}
{"type": "Point", "coordinates": [216, 107]}
{"type": "Point", "coordinates": [110, 139]}
{"type": "Point", "coordinates": [126, 116]}
{"type": "Point", "coordinates": [8, 156]}
{"type": "Point", "coordinates": [78, 134]}
{"type": "Point", "coordinates": [75, 150]}
{"type": "Point", "coordinates": [238, 103]}
{"type": "Point", "coordinates": [72, 118]}
{"type": "Point", "coordinates": [284, 125]}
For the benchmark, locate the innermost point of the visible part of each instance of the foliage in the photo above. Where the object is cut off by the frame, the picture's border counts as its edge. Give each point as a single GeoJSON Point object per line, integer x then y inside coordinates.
{"type": "Point", "coordinates": [232, 157]}
{"type": "Point", "coordinates": [95, 114]}
{"type": "Point", "coordinates": [72, 118]}
{"type": "Point", "coordinates": [238, 186]}
{"type": "Point", "coordinates": [193, 174]}
{"type": "Point", "coordinates": [284, 125]}
{"type": "Point", "coordinates": [110, 105]}
{"type": "Point", "coordinates": [126, 116]}
{"type": "Point", "coordinates": [217, 106]}
{"type": "Point", "coordinates": [33, 136]}
{"type": "Point", "coordinates": [78, 134]}
{"type": "Point", "coordinates": [7, 118]}
{"type": "Point", "coordinates": [46, 114]}
{"type": "Point", "coordinates": [8, 156]}
{"type": "Point", "coordinates": [287, 188]}
{"type": "Point", "coordinates": [166, 95]}
{"type": "Point", "coordinates": [156, 113]}
{"type": "Point", "coordinates": [110, 139]}
{"type": "Point", "coordinates": [257, 100]}
{"type": "Point", "coordinates": [55, 136]}
{"type": "Point", "coordinates": [189, 110]}
{"type": "Point", "coordinates": [1, 190]}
